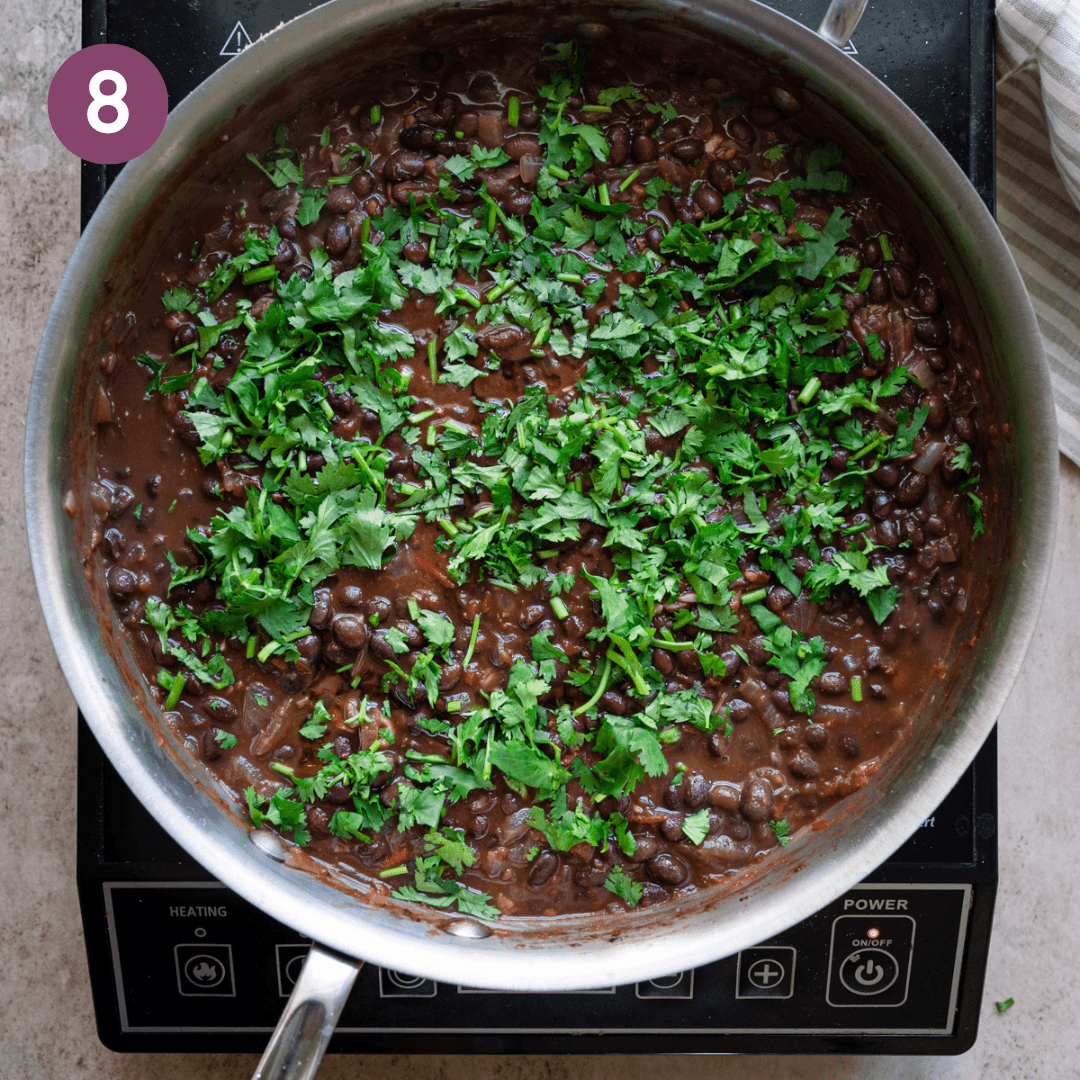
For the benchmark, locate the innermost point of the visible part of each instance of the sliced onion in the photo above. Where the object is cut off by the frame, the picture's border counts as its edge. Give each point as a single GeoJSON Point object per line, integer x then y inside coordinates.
{"type": "Point", "coordinates": [529, 168]}
{"type": "Point", "coordinates": [926, 461]}
{"type": "Point", "coordinates": [489, 130]}
{"type": "Point", "coordinates": [921, 370]}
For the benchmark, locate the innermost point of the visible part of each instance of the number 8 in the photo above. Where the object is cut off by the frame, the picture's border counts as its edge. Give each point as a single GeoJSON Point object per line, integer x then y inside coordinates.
{"type": "Point", "coordinates": [115, 99]}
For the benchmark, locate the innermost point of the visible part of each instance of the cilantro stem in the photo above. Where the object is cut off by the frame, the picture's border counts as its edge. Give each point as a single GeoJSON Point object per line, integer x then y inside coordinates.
{"type": "Point", "coordinates": [560, 609]}
{"type": "Point", "coordinates": [376, 114]}
{"type": "Point", "coordinates": [432, 348]}
{"type": "Point", "coordinates": [177, 688]}
{"type": "Point", "coordinates": [886, 250]}
{"type": "Point", "coordinates": [467, 297]}
{"type": "Point", "coordinates": [808, 392]}
{"type": "Point", "coordinates": [414, 609]}
{"type": "Point", "coordinates": [500, 290]}
{"type": "Point", "coordinates": [472, 641]}
{"type": "Point", "coordinates": [755, 596]}
{"type": "Point", "coordinates": [858, 527]}
{"type": "Point", "coordinates": [260, 273]}
{"type": "Point", "coordinates": [448, 527]}
{"type": "Point", "coordinates": [560, 174]}
{"type": "Point", "coordinates": [605, 195]}
{"type": "Point", "coordinates": [856, 688]}
{"type": "Point", "coordinates": [604, 674]}
{"type": "Point", "coordinates": [328, 410]}
{"type": "Point", "coordinates": [453, 706]}
{"type": "Point", "coordinates": [512, 114]}
{"type": "Point", "coordinates": [596, 108]}
{"type": "Point", "coordinates": [420, 417]}
{"type": "Point", "coordinates": [267, 651]}
{"type": "Point", "coordinates": [630, 179]}
{"type": "Point", "coordinates": [394, 871]}
{"type": "Point", "coordinates": [249, 650]}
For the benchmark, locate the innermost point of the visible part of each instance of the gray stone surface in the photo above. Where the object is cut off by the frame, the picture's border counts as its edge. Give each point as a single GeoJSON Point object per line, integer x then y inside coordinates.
{"type": "Point", "coordinates": [46, 1016]}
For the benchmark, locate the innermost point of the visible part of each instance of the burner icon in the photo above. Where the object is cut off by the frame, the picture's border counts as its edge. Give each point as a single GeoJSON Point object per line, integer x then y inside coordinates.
{"type": "Point", "coordinates": [204, 970]}
{"type": "Point", "coordinates": [402, 984]}
{"type": "Point", "coordinates": [679, 985]}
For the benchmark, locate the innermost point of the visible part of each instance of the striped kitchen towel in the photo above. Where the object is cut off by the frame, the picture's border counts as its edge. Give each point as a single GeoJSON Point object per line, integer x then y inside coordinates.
{"type": "Point", "coordinates": [1038, 180]}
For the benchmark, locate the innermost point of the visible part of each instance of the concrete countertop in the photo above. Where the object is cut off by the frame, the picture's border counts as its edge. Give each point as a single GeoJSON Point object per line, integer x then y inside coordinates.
{"type": "Point", "coordinates": [46, 1016]}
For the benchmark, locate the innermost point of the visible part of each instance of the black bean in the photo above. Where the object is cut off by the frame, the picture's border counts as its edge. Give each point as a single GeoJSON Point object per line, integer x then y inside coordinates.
{"type": "Point", "coordinates": [403, 165]}
{"type": "Point", "coordinates": [880, 506]}
{"type": "Point", "coordinates": [413, 634]}
{"type": "Point", "coordinates": [351, 596]}
{"type": "Point", "coordinates": [870, 250]}
{"type": "Point", "coordinates": [363, 184]}
{"type": "Point", "coordinates": [646, 847]}
{"type": "Point", "coordinates": [669, 869]}
{"type": "Point", "coordinates": [719, 173]}
{"type": "Point", "coordinates": [654, 234]}
{"type": "Point", "coordinates": [340, 200]}
{"type": "Point", "coordinates": [888, 535]}
{"type": "Point", "coordinates": [803, 766]}
{"type": "Point", "coordinates": [707, 198]}
{"type": "Point", "coordinates": [732, 661]}
{"type": "Point", "coordinates": [933, 331]}
{"type": "Point", "coordinates": [611, 701]}
{"type": "Point", "coordinates": [115, 542]}
{"type": "Point", "coordinates": [816, 736]}
{"type": "Point", "coordinates": [741, 131]}
{"type": "Point", "coordinates": [739, 711]}
{"type": "Point", "coordinates": [643, 148]}
{"type": "Point", "coordinates": [211, 748]}
{"type": "Point", "coordinates": [879, 287]}
{"type": "Point", "coordinates": [912, 490]}
{"type": "Point", "coordinates": [483, 88]}
{"type": "Point", "coordinates": [337, 236]}
{"type": "Point", "coordinates": [663, 661]}
{"type": "Point", "coordinates": [543, 868]}
{"type": "Point", "coordinates": [695, 790]}
{"type": "Point", "coordinates": [618, 136]}
{"type": "Point", "coordinates": [832, 682]}
{"type": "Point", "coordinates": [887, 475]}
{"type": "Point", "coordinates": [756, 800]}
{"type": "Point", "coordinates": [718, 743]}
{"type": "Point", "coordinates": [671, 829]}
{"type": "Point", "coordinates": [379, 607]}
{"type": "Point", "coordinates": [320, 611]}
{"type": "Point", "coordinates": [288, 227]}
{"type": "Point", "coordinates": [518, 203]}
{"type": "Point", "coordinates": [120, 583]}
{"type": "Point", "coordinates": [964, 428]}
{"type": "Point", "coordinates": [185, 335]}
{"type": "Point", "coordinates": [688, 660]}
{"type": "Point", "coordinates": [309, 647]}
{"type": "Point", "coordinates": [849, 746]}
{"type": "Point", "coordinates": [739, 830]}
{"type": "Point", "coordinates": [779, 599]}
{"type": "Point", "coordinates": [688, 150]}
{"type": "Point", "coordinates": [672, 797]}
{"type": "Point", "coordinates": [756, 650]}
{"type": "Point", "coordinates": [501, 339]}
{"type": "Point", "coordinates": [418, 137]}
{"type": "Point", "coordinates": [906, 254]}
{"type": "Point", "coordinates": [901, 279]}
{"type": "Point", "coordinates": [938, 416]}
{"type": "Point", "coordinates": [522, 144]}
{"type": "Point", "coordinates": [927, 298]}
{"type": "Point", "coordinates": [350, 631]}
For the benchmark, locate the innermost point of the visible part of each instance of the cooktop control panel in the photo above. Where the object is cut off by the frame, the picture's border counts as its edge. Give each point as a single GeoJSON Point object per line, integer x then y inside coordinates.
{"type": "Point", "coordinates": [194, 957]}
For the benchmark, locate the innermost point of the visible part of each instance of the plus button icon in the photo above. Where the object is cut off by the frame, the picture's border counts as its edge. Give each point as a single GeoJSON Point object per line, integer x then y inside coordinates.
{"type": "Point", "coordinates": [765, 973]}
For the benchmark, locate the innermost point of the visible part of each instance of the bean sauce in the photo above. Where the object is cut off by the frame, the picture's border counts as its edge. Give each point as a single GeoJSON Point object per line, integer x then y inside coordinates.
{"type": "Point", "coordinates": [384, 658]}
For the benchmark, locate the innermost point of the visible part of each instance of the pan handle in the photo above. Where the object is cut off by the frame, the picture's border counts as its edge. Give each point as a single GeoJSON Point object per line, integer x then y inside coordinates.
{"type": "Point", "coordinates": [840, 21]}
{"type": "Point", "coordinates": [299, 1041]}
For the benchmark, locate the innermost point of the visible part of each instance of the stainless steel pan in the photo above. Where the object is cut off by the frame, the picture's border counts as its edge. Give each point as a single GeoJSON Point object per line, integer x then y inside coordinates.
{"type": "Point", "coordinates": [527, 954]}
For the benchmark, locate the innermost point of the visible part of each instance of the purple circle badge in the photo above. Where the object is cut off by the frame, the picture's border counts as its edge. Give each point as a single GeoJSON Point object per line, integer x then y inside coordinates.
{"type": "Point", "coordinates": [108, 104]}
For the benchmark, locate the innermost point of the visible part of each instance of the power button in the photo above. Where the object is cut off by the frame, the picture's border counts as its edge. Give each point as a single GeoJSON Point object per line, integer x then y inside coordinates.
{"type": "Point", "coordinates": [870, 961]}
